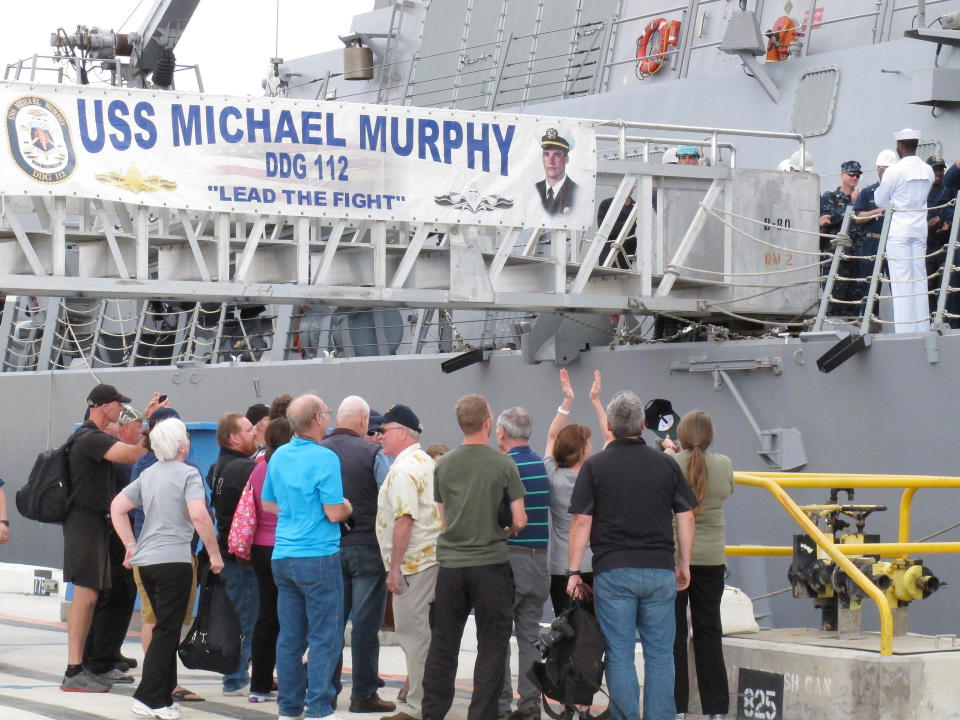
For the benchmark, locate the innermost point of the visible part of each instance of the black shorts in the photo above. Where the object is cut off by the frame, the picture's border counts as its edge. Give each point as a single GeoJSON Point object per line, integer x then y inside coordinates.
{"type": "Point", "coordinates": [86, 549]}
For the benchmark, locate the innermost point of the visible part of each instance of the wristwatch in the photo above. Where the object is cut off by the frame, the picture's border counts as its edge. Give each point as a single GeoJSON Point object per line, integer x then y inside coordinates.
{"type": "Point", "coordinates": [572, 572]}
{"type": "Point", "coordinates": [5, 522]}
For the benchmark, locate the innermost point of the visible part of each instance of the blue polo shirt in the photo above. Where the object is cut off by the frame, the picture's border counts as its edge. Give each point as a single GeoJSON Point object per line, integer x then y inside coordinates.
{"type": "Point", "coordinates": [302, 477]}
{"type": "Point", "coordinates": [537, 500]}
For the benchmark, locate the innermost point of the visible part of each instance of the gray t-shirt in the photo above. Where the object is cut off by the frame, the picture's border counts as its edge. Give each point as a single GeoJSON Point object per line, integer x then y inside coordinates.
{"type": "Point", "coordinates": [162, 490]}
{"type": "Point", "coordinates": [561, 488]}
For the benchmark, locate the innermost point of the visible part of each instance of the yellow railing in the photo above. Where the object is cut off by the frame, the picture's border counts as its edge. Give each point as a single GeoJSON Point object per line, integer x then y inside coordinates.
{"type": "Point", "coordinates": [777, 482]}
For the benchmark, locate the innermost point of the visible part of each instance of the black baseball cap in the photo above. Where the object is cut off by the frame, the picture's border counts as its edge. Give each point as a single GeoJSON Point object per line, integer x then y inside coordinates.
{"type": "Point", "coordinates": [661, 418]}
{"type": "Point", "coordinates": [403, 415]}
{"type": "Point", "coordinates": [936, 160]}
{"type": "Point", "coordinates": [257, 412]}
{"type": "Point", "coordinates": [103, 394]}
{"type": "Point", "coordinates": [376, 420]}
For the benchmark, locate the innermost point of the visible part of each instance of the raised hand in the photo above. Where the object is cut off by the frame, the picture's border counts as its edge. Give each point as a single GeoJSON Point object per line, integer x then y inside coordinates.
{"type": "Point", "coordinates": [565, 386]}
{"type": "Point", "coordinates": [597, 386]}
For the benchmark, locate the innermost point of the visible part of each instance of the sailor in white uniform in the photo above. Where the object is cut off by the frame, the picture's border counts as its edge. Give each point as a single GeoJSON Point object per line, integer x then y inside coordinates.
{"type": "Point", "coordinates": [904, 188]}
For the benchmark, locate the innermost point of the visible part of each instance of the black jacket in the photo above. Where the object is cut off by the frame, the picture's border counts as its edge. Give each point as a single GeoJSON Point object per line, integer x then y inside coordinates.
{"type": "Point", "coordinates": [227, 478]}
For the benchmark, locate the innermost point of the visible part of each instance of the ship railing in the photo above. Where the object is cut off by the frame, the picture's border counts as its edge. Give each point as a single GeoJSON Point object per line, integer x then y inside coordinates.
{"type": "Point", "coordinates": [843, 280]}
{"type": "Point", "coordinates": [777, 484]}
{"type": "Point", "coordinates": [61, 69]}
{"type": "Point", "coordinates": [624, 139]}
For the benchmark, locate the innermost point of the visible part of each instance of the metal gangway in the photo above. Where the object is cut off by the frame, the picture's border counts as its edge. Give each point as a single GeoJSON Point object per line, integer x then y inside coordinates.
{"type": "Point", "coordinates": [694, 257]}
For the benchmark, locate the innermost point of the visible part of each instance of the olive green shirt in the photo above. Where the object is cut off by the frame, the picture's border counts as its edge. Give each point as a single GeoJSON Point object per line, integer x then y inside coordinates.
{"type": "Point", "coordinates": [710, 540]}
{"type": "Point", "coordinates": [469, 482]}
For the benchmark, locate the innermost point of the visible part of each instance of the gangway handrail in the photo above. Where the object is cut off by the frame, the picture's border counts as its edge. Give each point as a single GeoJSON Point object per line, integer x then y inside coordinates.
{"type": "Point", "coordinates": [776, 482]}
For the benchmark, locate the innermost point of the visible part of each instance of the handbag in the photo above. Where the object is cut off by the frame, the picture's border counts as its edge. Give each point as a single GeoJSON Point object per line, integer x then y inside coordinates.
{"type": "Point", "coordinates": [213, 642]}
{"type": "Point", "coordinates": [244, 525]}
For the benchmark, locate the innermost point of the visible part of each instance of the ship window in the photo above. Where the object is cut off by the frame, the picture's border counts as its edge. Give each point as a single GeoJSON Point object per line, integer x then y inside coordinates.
{"type": "Point", "coordinates": [815, 101]}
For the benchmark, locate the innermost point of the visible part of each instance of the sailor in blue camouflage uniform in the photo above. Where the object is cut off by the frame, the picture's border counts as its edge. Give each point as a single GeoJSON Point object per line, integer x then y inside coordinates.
{"type": "Point", "coordinates": [949, 187]}
{"type": "Point", "coordinates": [833, 204]}
{"type": "Point", "coordinates": [938, 231]}
{"type": "Point", "coordinates": [869, 223]}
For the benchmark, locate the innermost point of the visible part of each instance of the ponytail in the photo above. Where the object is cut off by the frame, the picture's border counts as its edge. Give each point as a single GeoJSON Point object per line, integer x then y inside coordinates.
{"type": "Point", "coordinates": [695, 432]}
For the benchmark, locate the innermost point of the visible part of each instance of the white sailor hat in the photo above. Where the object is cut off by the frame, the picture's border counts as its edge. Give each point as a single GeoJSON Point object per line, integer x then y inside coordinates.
{"type": "Point", "coordinates": [907, 134]}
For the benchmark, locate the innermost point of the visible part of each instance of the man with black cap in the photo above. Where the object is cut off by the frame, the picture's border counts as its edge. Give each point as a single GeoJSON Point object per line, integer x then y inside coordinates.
{"type": "Point", "coordinates": [833, 204]}
{"type": "Point", "coordinates": [87, 528]}
{"type": "Point", "coordinates": [114, 608]}
{"type": "Point", "coordinates": [259, 416]}
{"type": "Point", "coordinates": [904, 188]}
{"type": "Point", "coordinates": [557, 191]}
{"type": "Point", "coordinates": [408, 524]}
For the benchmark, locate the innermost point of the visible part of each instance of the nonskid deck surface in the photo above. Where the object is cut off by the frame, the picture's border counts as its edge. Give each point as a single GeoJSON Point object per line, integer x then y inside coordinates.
{"type": "Point", "coordinates": [33, 653]}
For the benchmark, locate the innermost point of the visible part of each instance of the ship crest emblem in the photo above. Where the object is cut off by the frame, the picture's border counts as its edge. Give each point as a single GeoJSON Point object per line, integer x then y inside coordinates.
{"type": "Point", "coordinates": [472, 200]}
{"type": "Point", "coordinates": [39, 139]}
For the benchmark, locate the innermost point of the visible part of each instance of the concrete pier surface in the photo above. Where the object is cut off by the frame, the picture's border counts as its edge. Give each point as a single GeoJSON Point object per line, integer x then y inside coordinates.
{"type": "Point", "coordinates": [33, 657]}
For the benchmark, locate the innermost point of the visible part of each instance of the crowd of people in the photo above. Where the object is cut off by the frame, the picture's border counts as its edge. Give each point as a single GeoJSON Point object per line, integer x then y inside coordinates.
{"type": "Point", "coordinates": [351, 509]}
{"type": "Point", "coordinates": [920, 194]}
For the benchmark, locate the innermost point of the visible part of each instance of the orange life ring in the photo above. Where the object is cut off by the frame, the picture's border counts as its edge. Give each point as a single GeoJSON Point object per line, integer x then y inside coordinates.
{"type": "Point", "coordinates": [781, 35]}
{"type": "Point", "coordinates": [667, 33]}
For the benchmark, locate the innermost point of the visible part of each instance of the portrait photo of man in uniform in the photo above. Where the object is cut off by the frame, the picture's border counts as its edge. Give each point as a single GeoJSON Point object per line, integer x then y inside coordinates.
{"type": "Point", "coordinates": [557, 191]}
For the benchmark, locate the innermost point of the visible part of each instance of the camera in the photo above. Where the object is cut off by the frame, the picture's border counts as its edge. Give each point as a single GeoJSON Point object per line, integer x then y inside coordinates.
{"type": "Point", "coordinates": [560, 629]}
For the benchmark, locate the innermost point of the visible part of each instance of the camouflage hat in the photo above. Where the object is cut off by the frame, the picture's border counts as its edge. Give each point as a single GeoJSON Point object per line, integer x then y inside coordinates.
{"type": "Point", "coordinates": [936, 160]}
{"type": "Point", "coordinates": [851, 166]}
{"type": "Point", "coordinates": [130, 414]}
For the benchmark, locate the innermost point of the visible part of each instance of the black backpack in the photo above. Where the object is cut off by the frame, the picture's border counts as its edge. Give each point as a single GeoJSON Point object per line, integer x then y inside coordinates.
{"type": "Point", "coordinates": [571, 670]}
{"type": "Point", "coordinates": [47, 496]}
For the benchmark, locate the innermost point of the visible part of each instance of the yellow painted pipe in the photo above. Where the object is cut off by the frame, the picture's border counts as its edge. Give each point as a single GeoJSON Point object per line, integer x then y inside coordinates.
{"type": "Point", "coordinates": [829, 481]}
{"type": "Point", "coordinates": [884, 549]}
{"type": "Point", "coordinates": [906, 500]}
{"type": "Point", "coordinates": [828, 546]}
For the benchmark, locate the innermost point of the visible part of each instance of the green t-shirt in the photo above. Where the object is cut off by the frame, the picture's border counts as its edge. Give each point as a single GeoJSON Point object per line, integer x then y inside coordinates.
{"type": "Point", "coordinates": [709, 540]}
{"type": "Point", "coordinates": [469, 482]}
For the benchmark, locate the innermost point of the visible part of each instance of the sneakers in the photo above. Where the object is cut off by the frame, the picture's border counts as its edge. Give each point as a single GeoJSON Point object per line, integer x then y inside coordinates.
{"type": "Point", "coordinates": [164, 713]}
{"type": "Point", "coordinates": [262, 697]}
{"type": "Point", "coordinates": [239, 692]}
{"type": "Point", "coordinates": [85, 682]}
{"type": "Point", "coordinates": [371, 704]}
{"type": "Point", "coordinates": [399, 716]}
{"type": "Point", "coordinates": [115, 677]}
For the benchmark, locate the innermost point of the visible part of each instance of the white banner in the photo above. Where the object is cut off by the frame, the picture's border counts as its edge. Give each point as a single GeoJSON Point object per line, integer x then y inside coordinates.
{"type": "Point", "coordinates": [278, 156]}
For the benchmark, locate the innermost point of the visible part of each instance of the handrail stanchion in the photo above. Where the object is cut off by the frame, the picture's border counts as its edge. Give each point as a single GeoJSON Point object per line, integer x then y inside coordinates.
{"type": "Point", "coordinates": [834, 266]}
{"type": "Point", "coordinates": [877, 266]}
{"type": "Point", "coordinates": [906, 500]}
{"type": "Point", "coordinates": [947, 266]}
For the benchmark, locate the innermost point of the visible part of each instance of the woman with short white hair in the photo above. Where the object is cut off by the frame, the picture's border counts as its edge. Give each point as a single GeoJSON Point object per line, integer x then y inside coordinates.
{"type": "Point", "coordinates": [172, 497]}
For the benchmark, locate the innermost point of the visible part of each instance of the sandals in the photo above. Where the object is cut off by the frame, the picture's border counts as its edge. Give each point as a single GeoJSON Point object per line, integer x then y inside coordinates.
{"type": "Point", "coordinates": [181, 694]}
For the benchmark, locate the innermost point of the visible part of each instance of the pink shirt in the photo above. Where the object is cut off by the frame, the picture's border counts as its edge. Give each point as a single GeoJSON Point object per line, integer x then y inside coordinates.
{"type": "Point", "coordinates": [266, 533]}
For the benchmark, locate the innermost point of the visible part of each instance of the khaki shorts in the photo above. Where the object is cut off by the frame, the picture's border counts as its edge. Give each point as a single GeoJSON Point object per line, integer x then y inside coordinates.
{"type": "Point", "coordinates": [146, 609]}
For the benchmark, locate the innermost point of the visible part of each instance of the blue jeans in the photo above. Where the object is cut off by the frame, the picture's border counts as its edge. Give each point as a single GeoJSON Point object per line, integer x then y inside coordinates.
{"type": "Point", "coordinates": [364, 600]}
{"type": "Point", "coordinates": [241, 582]}
{"type": "Point", "coordinates": [641, 598]}
{"type": "Point", "coordinates": [309, 605]}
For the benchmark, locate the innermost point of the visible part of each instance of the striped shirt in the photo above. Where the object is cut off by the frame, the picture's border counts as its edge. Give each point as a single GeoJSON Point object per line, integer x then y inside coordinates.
{"type": "Point", "coordinates": [537, 500]}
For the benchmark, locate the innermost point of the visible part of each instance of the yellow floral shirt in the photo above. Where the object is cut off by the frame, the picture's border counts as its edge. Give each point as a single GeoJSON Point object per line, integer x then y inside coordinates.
{"type": "Point", "coordinates": [408, 490]}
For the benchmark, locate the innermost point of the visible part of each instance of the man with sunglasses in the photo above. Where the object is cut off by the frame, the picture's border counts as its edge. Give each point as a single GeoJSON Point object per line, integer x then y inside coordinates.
{"type": "Point", "coordinates": [833, 204]}
{"type": "Point", "coordinates": [408, 524]}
